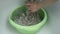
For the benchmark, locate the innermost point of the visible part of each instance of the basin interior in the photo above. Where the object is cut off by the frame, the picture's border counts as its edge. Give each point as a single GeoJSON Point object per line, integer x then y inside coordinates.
{"type": "Point", "coordinates": [18, 12]}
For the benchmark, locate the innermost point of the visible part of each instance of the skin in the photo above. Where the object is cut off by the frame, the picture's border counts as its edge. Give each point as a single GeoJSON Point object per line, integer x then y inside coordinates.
{"type": "Point", "coordinates": [34, 6]}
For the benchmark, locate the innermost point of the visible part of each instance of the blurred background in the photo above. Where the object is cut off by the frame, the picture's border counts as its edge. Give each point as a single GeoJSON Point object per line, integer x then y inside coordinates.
{"type": "Point", "coordinates": [51, 27]}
